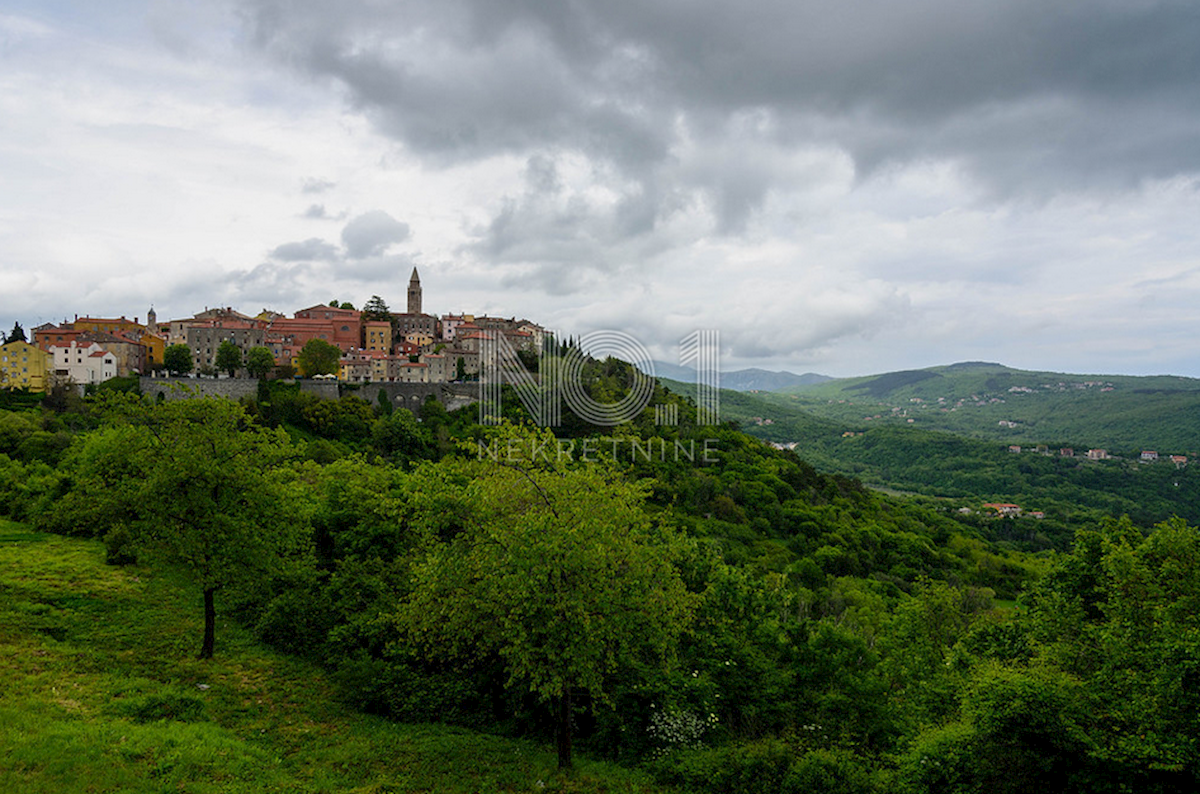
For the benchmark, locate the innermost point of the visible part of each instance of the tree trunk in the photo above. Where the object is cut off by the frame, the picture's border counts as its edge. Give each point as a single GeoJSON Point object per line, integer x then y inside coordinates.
{"type": "Point", "coordinates": [210, 623]}
{"type": "Point", "coordinates": [562, 730]}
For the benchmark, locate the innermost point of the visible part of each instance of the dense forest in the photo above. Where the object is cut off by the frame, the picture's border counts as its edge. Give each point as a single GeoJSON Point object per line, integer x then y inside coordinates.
{"type": "Point", "coordinates": [960, 471]}
{"type": "Point", "coordinates": [733, 622]}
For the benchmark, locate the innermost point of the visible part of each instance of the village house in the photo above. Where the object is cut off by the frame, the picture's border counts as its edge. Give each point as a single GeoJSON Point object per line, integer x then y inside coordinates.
{"type": "Point", "coordinates": [1006, 509]}
{"type": "Point", "coordinates": [204, 338]}
{"type": "Point", "coordinates": [86, 363]}
{"type": "Point", "coordinates": [25, 366]}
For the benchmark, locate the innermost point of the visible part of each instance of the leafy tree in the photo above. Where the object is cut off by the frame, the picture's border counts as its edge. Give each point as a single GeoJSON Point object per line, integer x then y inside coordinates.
{"type": "Point", "coordinates": [17, 335]}
{"type": "Point", "coordinates": [561, 574]}
{"type": "Point", "coordinates": [460, 369]}
{"type": "Point", "coordinates": [207, 492]}
{"type": "Point", "coordinates": [229, 357]}
{"type": "Point", "coordinates": [400, 438]}
{"type": "Point", "coordinates": [318, 357]}
{"type": "Point", "coordinates": [376, 309]}
{"type": "Point", "coordinates": [178, 359]}
{"type": "Point", "coordinates": [385, 403]}
{"type": "Point", "coordinates": [259, 361]}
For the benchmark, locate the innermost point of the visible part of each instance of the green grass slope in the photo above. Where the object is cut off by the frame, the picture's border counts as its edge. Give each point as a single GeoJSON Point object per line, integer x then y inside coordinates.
{"type": "Point", "coordinates": [101, 693]}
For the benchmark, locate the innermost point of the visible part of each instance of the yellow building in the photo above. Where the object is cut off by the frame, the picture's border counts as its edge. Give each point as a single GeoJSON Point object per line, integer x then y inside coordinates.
{"type": "Point", "coordinates": [23, 366]}
{"type": "Point", "coordinates": [419, 338]}
{"type": "Point", "coordinates": [155, 346]}
{"type": "Point", "coordinates": [377, 335]}
{"type": "Point", "coordinates": [108, 325]}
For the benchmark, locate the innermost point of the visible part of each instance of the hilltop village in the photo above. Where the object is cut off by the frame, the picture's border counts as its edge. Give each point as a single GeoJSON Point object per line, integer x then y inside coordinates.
{"type": "Point", "coordinates": [372, 344]}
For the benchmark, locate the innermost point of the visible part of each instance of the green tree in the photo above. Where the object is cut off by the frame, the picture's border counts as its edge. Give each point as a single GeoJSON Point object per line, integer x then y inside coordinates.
{"type": "Point", "coordinates": [208, 492]}
{"type": "Point", "coordinates": [318, 357]}
{"type": "Point", "coordinates": [400, 438]}
{"type": "Point", "coordinates": [17, 335]}
{"type": "Point", "coordinates": [259, 361]}
{"type": "Point", "coordinates": [385, 403]}
{"type": "Point", "coordinates": [376, 309]}
{"type": "Point", "coordinates": [178, 359]}
{"type": "Point", "coordinates": [229, 357]}
{"type": "Point", "coordinates": [561, 574]}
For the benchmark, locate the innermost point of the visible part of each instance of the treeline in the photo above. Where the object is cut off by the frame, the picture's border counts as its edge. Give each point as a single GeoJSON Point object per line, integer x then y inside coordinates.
{"type": "Point", "coordinates": [748, 624]}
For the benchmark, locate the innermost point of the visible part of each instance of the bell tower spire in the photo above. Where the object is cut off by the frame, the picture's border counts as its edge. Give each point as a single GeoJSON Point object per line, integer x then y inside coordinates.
{"type": "Point", "coordinates": [414, 293]}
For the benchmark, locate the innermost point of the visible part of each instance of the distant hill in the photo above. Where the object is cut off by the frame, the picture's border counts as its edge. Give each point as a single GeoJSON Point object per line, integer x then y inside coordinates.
{"type": "Point", "coordinates": [888, 451]}
{"type": "Point", "coordinates": [743, 379]}
{"type": "Point", "coordinates": [991, 401]}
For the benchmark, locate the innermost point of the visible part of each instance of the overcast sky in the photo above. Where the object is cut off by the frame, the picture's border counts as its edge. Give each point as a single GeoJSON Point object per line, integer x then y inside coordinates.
{"type": "Point", "coordinates": [839, 187]}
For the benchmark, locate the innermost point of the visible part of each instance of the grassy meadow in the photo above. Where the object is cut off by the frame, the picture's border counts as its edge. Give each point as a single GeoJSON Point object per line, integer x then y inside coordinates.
{"type": "Point", "coordinates": [102, 692]}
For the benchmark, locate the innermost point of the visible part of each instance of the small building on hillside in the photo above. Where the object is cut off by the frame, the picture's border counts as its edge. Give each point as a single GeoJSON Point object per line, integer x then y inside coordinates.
{"type": "Point", "coordinates": [1005, 509]}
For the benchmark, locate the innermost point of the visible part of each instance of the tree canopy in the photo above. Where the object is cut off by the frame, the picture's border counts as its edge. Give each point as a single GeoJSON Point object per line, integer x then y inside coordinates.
{"type": "Point", "coordinates": [318, 357]}
{"type": "Point", "coordinates": [259, 362]}
{"type": "Point", "coordinates": [195, 484]}
{"type": "Point", "coordinates": [17, 335]}
{"type": "Point", "coordinates": [178, 359]}
{"type": "Point", "coordinates": [562, 574]}
{"type": "Point", "coordinates": [376, 309]}
{"type": "Point", "coordinates": [229, 358]}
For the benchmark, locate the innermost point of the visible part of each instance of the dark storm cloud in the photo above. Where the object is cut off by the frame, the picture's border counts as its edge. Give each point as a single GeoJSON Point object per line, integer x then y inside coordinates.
{"type": "Point", "coordinates": [1077, 90]}
{"type": "Point", "coordinates": [689, 117]}
{"type": "Point", "coordinates": [371, 233]}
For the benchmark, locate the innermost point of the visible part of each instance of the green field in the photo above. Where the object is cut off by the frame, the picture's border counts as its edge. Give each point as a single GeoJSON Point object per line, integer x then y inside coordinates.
{"type": "Point", "coordinates": [102, 693]}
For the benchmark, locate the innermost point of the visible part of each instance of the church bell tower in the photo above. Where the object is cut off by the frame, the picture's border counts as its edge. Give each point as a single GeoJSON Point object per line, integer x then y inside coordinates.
{"type": "Point", "coordinates": [414, 293]}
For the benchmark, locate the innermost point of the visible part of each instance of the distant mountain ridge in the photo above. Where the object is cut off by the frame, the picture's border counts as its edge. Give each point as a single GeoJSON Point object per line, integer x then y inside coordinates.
{"type": "Point", "coordinates": [752, 379]}
{"type": "Point", "coordinates": [991, 401]}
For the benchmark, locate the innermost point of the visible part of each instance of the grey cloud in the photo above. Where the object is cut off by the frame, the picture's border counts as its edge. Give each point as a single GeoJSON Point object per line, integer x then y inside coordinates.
{"type": "Point", "coordinates": [790, 327]}
{"type": "Point", "coordinates": [392, 269]}
{"type": "Point", "coordinates": [266, 284]}
{"type": "Point", "coordinates": [271, 276]}
{"type": "Point", "coordinates": [561, 241]}
{"type": "Point", "coordinates": [314, 185]}
{"type": "Point", "coordinates": [883, 80]}
{"type": "Point", "coordinates": [310, 250]}
{"type": "Point", "coordinates": [372, 233]}
{"type": "Point", "coordinates": [318, 212]}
